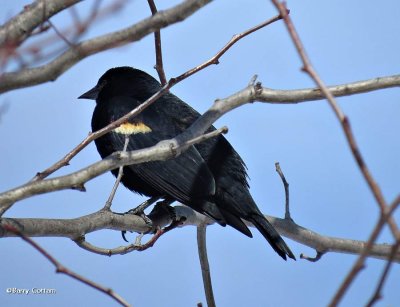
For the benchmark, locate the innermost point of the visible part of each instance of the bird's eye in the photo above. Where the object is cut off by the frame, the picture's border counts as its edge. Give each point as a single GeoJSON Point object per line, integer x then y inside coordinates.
{"type": "Point", "coordinates": [101, 84]}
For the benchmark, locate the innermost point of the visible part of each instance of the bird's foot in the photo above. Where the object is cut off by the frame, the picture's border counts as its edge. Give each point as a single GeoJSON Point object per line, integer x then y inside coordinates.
{"type": "Point", "coordinates": [143, 206]}
{"type": "Point", "coordinates": [139, 211]}
{"type": "Point", "coordinates": [163, 214]}
{"type": "Point", "coordinates": [146, 219]}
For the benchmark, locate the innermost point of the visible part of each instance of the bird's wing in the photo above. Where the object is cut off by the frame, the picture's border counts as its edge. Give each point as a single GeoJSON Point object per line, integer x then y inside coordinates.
{"type": "Point", "coordinates": [186, 178]}
{"type": "Point", "coordinates": [217, 152]}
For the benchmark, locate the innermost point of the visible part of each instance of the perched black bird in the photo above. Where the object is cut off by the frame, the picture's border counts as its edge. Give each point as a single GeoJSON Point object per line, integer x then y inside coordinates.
{"type": "Point", "coordinates": [209, 177]}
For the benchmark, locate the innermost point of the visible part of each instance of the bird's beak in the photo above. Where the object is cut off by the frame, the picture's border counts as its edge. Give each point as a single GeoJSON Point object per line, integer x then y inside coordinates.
{"type": "Point", "coordinates": [93, 93]}
{"type": "Point", "coordinates": [90, 94]}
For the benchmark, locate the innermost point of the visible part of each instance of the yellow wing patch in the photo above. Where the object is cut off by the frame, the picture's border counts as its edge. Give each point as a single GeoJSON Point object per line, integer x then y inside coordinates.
{"type": "Point", "coordinates": [132, 128]}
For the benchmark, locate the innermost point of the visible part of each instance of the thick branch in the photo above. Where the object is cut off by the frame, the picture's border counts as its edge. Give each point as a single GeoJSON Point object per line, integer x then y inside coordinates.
{"type": "Point", "coordinates": [309, 94]}
{"type": "Point", "coordinates": [19, 28]}
{"type": "Point", "coordinates": [75, 228]}
{"type": "Point", "coordinates": [52, 70]}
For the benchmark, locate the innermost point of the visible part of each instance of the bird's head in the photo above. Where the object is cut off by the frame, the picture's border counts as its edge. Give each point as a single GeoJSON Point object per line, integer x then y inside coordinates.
{"type": "Point", "coordinates": [123, 81]}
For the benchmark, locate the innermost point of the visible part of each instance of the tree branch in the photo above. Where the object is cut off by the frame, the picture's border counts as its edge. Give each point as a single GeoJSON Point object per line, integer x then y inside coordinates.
{"type": "Point", "coordinates": [378, 291]}
{"type": "Point", "coordinates": [62, 269]}
{"type": "Point", "coordinates": [366, 251]}
{"type": "Point", "coordinates": [52, 70]}
{"type": "Point", "coordinates": [108, 204]}
{"type": "Point", "coordinates": [19, 28]}
{"type": "Point", "coordinates": [157, 42]}
{"type": "Point", "coordinates": [310, 94]}
{"type": "Point", "coordinates": [205, 267]}
{"type": "Point", "coordinates": [78, 227]}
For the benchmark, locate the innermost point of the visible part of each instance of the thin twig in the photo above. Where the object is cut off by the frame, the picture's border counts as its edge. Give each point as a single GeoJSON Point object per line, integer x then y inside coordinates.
{"type": "Point", "coordinates": [206, 136]}
{"type": "Point", "coordinates": [62, 269]}
{"type": "Point", "coordinates": [317, 257]}
{"type": "Point", "coordinates": [173, 81]}
{"type": "Point", "coordinates": [215, 59]}
{"type": "Point", "coordinates": [377, 294]}
{"type": "Point", "coordinates": [60, 34]}
{"type": "Point", "coordinates": [108, 204]}
{"type": "Point", "coordinates": [137, 246]}
{"type": "Point", "coordinates": [286, 185]}
{"type": "Point", "coordinates": [359, 264]}
{"type": "Point", "coordinates": [205, 267]}
{"type": "Point", "coordinates": [157, 42]}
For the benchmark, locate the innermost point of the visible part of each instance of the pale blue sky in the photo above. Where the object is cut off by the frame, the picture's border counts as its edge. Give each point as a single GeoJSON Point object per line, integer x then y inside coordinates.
{"type": "Point", "coordinates": [346, 41]}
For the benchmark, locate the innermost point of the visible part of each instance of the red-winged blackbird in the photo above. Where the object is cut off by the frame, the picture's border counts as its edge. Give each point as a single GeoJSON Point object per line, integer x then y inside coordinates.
{"type": "Point", "coordinates": [209, 177]}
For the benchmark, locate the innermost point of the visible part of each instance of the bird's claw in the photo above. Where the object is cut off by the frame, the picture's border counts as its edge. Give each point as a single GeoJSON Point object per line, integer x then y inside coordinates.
{"type": "Point", "coordinates": [138, 212]}
{"type": "Point", "coordinates": [123, 232]}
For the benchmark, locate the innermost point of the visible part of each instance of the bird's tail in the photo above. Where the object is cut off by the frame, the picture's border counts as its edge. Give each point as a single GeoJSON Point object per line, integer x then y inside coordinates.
{"type": "Point", "coordinates": [272, 236]}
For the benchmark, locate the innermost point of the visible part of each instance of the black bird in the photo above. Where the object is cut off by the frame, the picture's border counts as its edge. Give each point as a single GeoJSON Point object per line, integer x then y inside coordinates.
{"type": "Point", "coordinates": [209, 177]}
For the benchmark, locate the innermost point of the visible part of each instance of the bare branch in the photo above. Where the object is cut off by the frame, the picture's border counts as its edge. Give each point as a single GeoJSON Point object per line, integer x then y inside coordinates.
{"type": "Point", "coordinates": [37, 52]}
{"type": "Point", "coordinates": [137, 246]}
{"type": "Point", "coordinates": [377, 294]}
{"type": "Point", "coordinates": [157, 42]}
{"type": "Point", "coordinates": [60, 34]}
{"type": "Point", "coordinates": [62, 269]}
{"type": "Point", "coordinates": [215, 59]}
{"type": "Point", "coordinates": [317, 257]}
{"type": "Point", "coordinates": [205, 267]}
{"type": "Point", "coordinates": [108, 204]}
{"type": "Point", "coordinates": [52, 70]}
{"type": "Point", "coordinates": [78, 227]}
{"type": "Point", "coordinates": [367, 250]}
{"type": "Point", "coordinates": [310, 94]}
{"type": "Point", "coordinates": [206, 136]}
{"type": "Point", "coordinates": [19, 28]}
{"type": "Point", "coordinates": [286, 186]}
